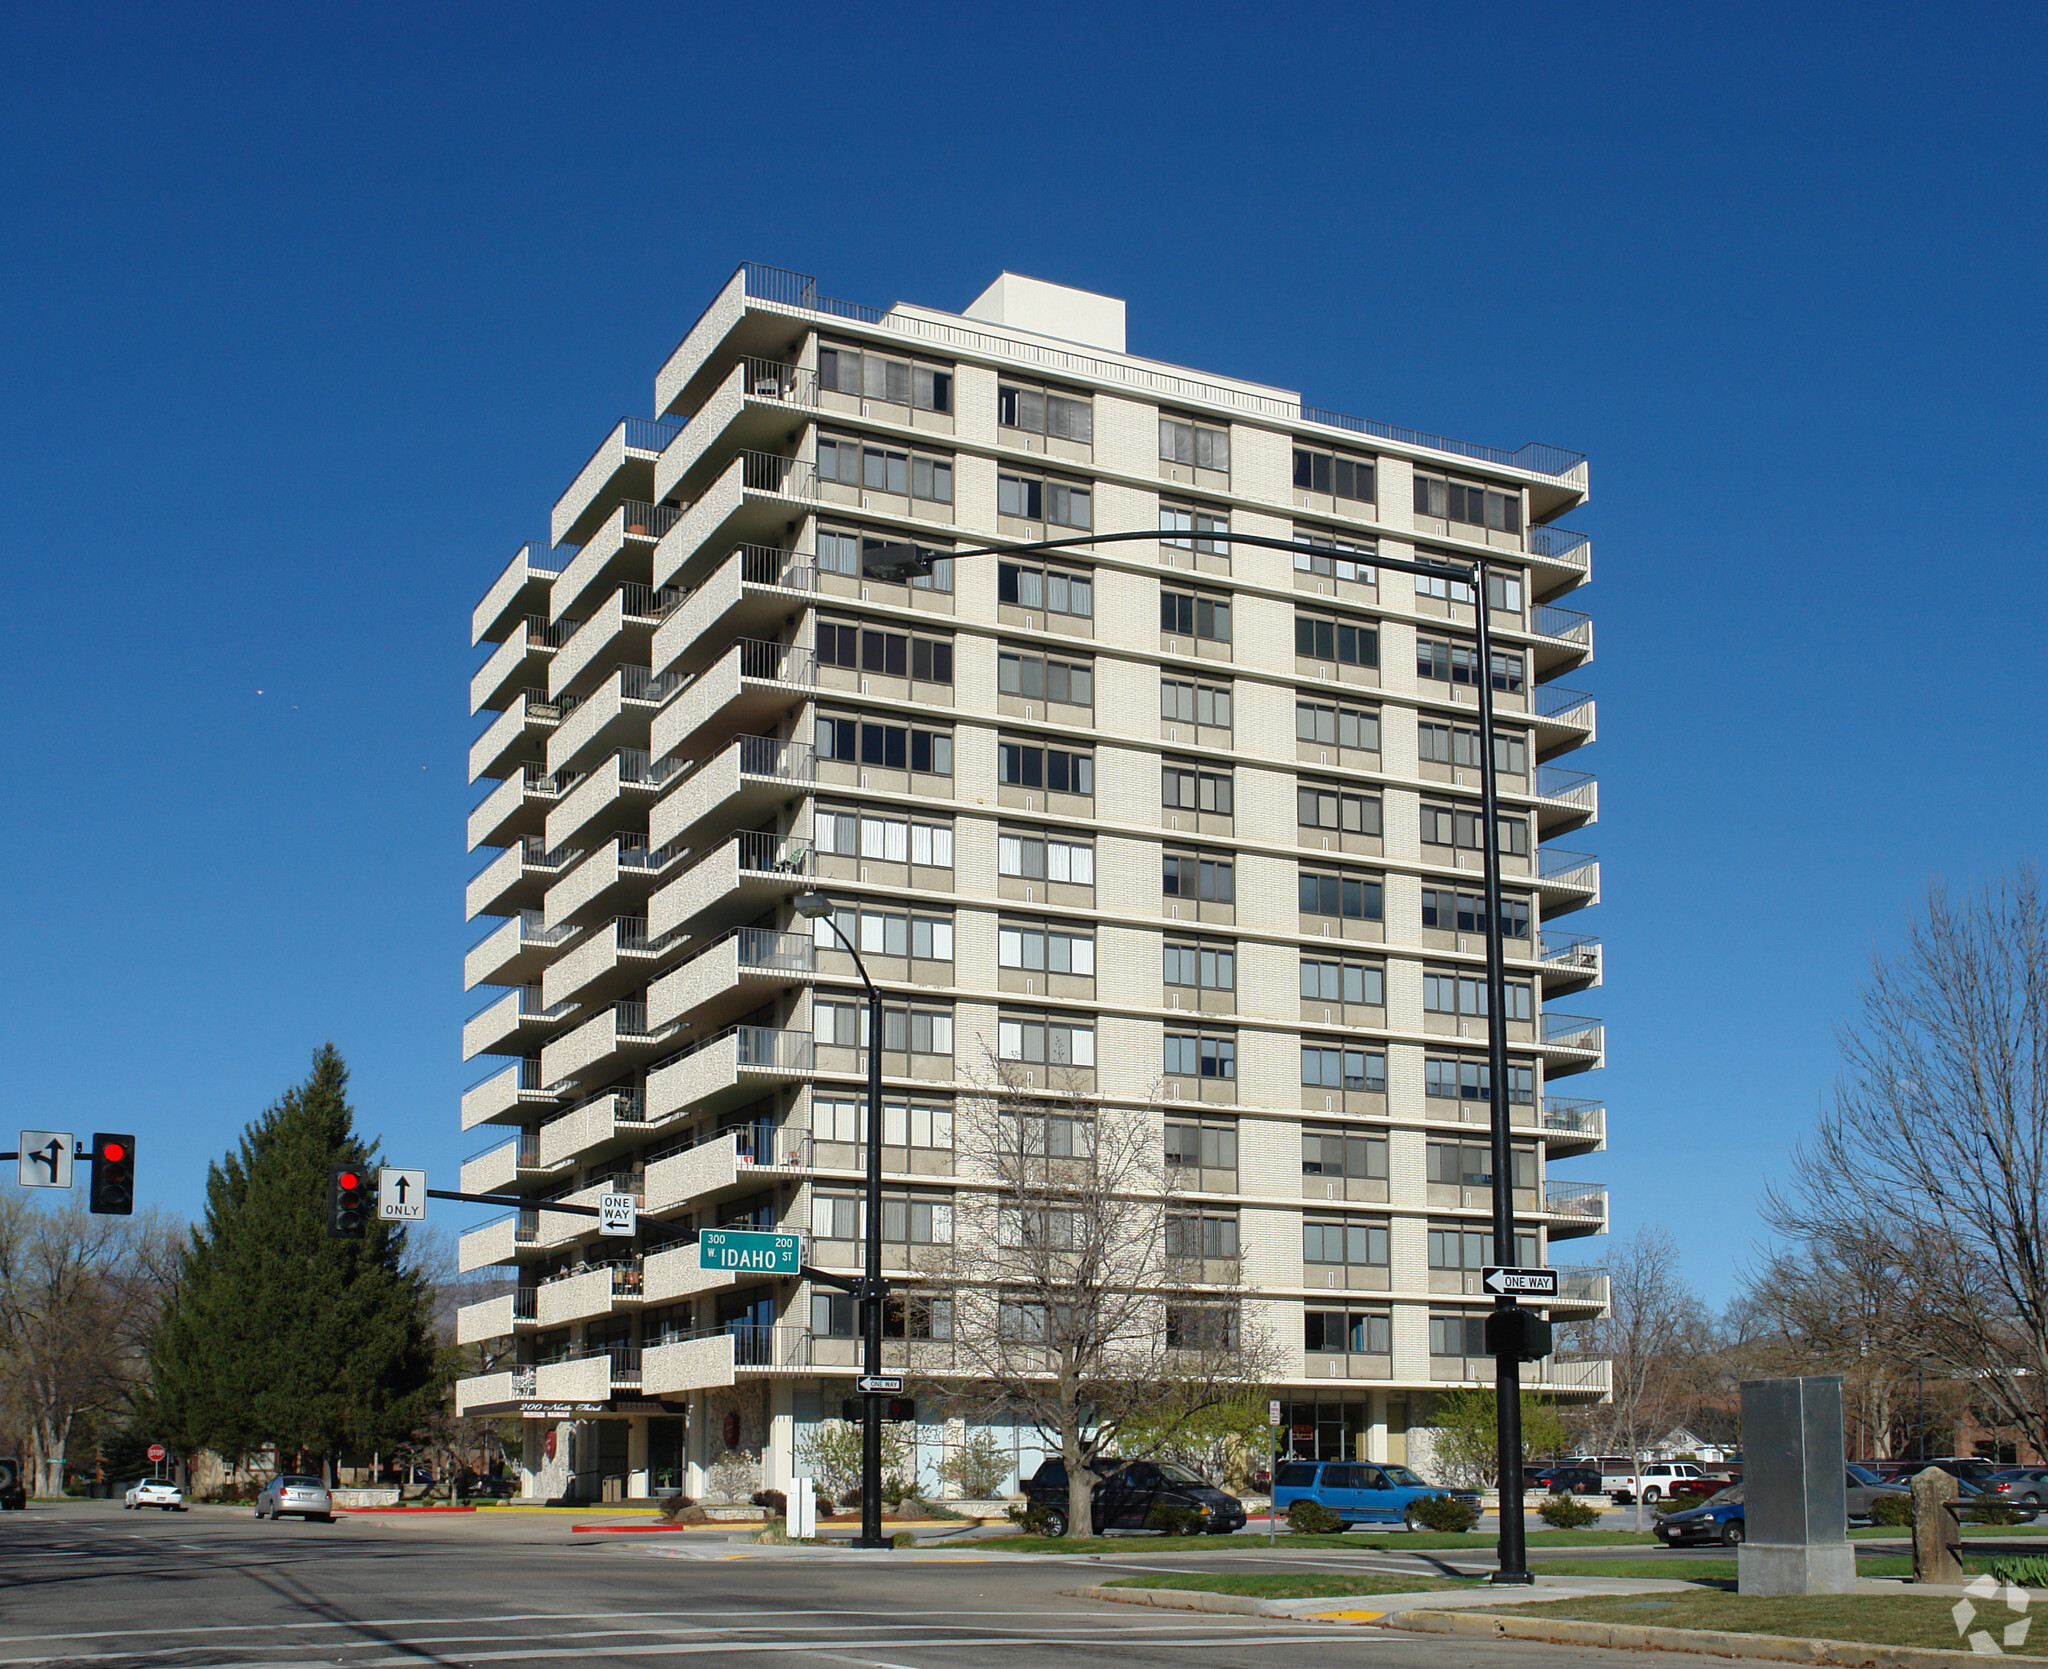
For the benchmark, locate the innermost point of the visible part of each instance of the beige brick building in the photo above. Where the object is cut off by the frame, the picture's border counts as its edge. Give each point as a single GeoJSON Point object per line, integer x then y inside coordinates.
{"type": "Point", "coordinates": [1195, 826]}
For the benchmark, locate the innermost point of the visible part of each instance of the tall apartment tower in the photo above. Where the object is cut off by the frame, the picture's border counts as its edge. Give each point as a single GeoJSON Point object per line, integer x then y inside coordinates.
{"type": "Point", "coordinates": [1196, 827]}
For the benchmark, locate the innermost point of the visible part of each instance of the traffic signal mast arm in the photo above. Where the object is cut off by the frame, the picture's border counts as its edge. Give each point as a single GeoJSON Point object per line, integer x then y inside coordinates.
{"type": "Point", "coordinates": [522, 1200]}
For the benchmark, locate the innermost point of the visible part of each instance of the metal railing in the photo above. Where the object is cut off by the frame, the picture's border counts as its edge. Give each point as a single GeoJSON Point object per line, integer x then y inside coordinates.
{"type": "Point", "coordinates": [1561, 705]}
{"type": "Point", "coordinates": [523, 1381]}
{"type": "Point", "coordinates": [636, 767]}
{"type": "Point", "coordinates": [589, 1266]}
{"type": "Point", "coordinates": [771, 472]}
{"type": "Point", "coordinates": [773, 854]}
{"type": "Point", "coordinates": [640, 683]}
{"type": "Point", "coordinates": [769, 1048]}
{"type": "Point", "coordinates": [764, 948]}
{"type": "Point", "coordinates": [523, 1304]}
{"type": "Point", "coordinates": [1559, 544]}
{"type": "Point", "coordinates": [1567, 625]}
{"type": "Point", "coordinates": [1575, 1199]}
{"type": "Point", "coordinates": [648, 434]}
{"type": "Point", "coordinates": [542, 633]}
{"type": "Point", "coordinates": [1570, 1031]}
{"type": "Point", "coordinates": [799, 290]}
{"type": "Point", "coordinates": [629, 1019]}
{"type": "Point", "coordinates": [615, 1182]}
{"type": "Point", "coordinates": [648, 521]}
{"type": "Point", "coordinates": [1563, 787]}
{"type": "Point", "coordinates": [534, 853]}
{"type": "Point", "coordinates": [758, 1344]}
{"type": "Point", "coordinates": [771, 756]}
{"type": "Point", "coordinates": [768, 565]}
{"type": "Point", "coordinates": [1581, 1285]}
{"type": "Point", "coordinates": [1570, 952]}
{"type": "Point", "coordinates": [755, 1144]}
{"type": "Point", "coordinates": [1571, 869]}
{"type": "Point", "coordinates": [539, 708]}
{"type": "Point", "coordinates": [770, 379]}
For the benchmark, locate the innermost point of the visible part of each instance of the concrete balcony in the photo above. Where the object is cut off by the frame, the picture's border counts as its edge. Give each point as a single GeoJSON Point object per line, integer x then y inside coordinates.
{"type": "Point", "coordinates": [751, 593]}
{"type": "Point", "coordinates": [494, 1393]}
{"type": "Point", "coordinates": [622, 468]}
{"type": "Point", "coordinates": [617, 714]}
{"type": "Point", "coordinates": [735, 880]}
{"type": "Point", "coordinates": [691, 370]}
{"type": "Point", "coordinates": [752, 406]}
{"type": "Point", "coordinates": [507, 1095]}
{"type": "Point", "coordinates": [731, 977]}
{"type": "Point", "coordinates": [588, 1294]}
{"type": "Point", "coordinates": [619, 552]}
{"type": "Point", "coordinates": [1567, 961]}
{"type": "Point", "coordinates": [520, 590]}
{"type": "Point", "coordinates": [613, 880]}
{"type": "Point", "coordinates": [514, 1024]}
{"type": "Point", "coordinates": [1575, 1208]}
{"type": "Point", "coordinates": [497, 1167]}
{"type": "Point", "coordinates": [751, 501]}
{"type": "Point", "coordinates": [521, 662]}
{"type": "Point", "coordinates": [593, 1130]}
{"type": "Point", "coordinates": [614, 797]}
{"type": "Point", "coordinates": [748, 691]}
{"type": "Point", "coordinates": [611, 1042]}
{"type": "Point", "coordinates": [1580, 1289]}
{"type": "Point", "coordinates": [1560, 561]}
{"type": "Point", "coordinates": [711, 1169]}
{"type": "Point", "coordinates": [1566, 880]}
{"type": "Point", "coordinates": [1565, 800]}
{"type": "Point", "coordinates": [513, 953]}
{"type": "Point", "coordinates": [619, 630]}
{"type": "Point", "coordinates": [516, 808]}
{"type": "Point", "coordinates": [692, 1364]}
{"type": "Point", "coordinates": [1563, 639]}
{"type": "Point", "coordinates": [516, 737]}
{"type": "Point", "coordinates": [1570, 1042]}
{"type": "Point", "coordinates": [515, 880]}
{"type": "Point", "coordinates": [723, 1070]}
{"type": "Point", "coordinates": [1571, 1125]}
{"type": "Point", "coordinates": [495, 1242]}
{"type": "Point", "coordinates": [610, 960]}
{"type": "Point", "coordinates": [746, 782]}
{"type": "Point", "coordinates": [674, 1274]}
{"type": "Point", "coordinates": [588, 1378]}
{"type": "Point", "coordinates": [495, 1318]}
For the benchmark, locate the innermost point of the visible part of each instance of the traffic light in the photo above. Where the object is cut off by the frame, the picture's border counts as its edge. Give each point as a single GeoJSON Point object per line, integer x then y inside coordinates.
{"type": "Point", "coordinates": [1517, 1335]}
{"type": "Point", "coordinates": [900, 1410]}
{"type": "Point", "coordinates": [348, 1202]}
{"type": "Point", "coordinates": [113, 1175]}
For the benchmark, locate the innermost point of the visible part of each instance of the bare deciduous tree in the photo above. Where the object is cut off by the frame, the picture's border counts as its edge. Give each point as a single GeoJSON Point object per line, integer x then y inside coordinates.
{"type": "Point", "coordinates": [1086, 1302]}
{"type": "Point", "coordinates": [1932, 1156]}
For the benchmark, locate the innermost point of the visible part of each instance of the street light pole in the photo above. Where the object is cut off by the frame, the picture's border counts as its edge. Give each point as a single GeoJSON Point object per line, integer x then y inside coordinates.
{"type": "Point", "coordinates": [817, 907]}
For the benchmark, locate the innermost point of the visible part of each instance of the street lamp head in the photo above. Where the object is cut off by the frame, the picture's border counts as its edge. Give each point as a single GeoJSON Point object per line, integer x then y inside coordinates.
{"type": "Point", "coordinates": [812, 905]}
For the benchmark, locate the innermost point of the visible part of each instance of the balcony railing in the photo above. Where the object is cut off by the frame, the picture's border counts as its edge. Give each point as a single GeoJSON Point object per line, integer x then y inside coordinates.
{"type": "Point", "coordinates": [1568, 952]}
{"type": "Point", "coordinates": [1570, 1031]}
{"type": "Point", "coordinates": [635, 853]}
{"type": "Point", "coordinates": [639, 683]}
{"type": "Point", "coordinates": [767, 1047]}
{"type": "Point", "coordinates": [1582, 1285]}
{"type": "Point", "coordinates": [648, 521]}
{"type": "Point", "coordinates": [630, 1019]}
{"type": "Point", "coordinates": [1574, 869]}
{"type": "Point", "coordinates": [757, 1344]}
{"type": "Point", "coordinates": [771, 472]}
{"type": "Point", "coordinates": [1563, 706]}
{"type": "Point", "coordinates": [523, 1304]}
{"type": "Point", "coordinates": [523, 1380]}
{"type": "Point", "coordinates": [636, 766]}
{"type": "Point", "coordinates": [764, 948]}
{"type": "Point", "coordinates": [769, 379]}
{"type": "Point", "coordinates": [773, 854]}
{"type": "Point", "coordinates": [625, 1359]}
{"type": "Point", "coordinates": [1559, 544]}
{"type": "Point", "coordinates": [784, 288]}
{"type": "Point", "coordinates": [771, 756]}
{"type": "Point", "coordinates": [1567, 625]}
{"type": "Point", "coordinates": [593, 1266]}
{"type": "Point", "coordinates": [649, 434]}
{"type": "Point", "coordinates": [766, 565]}
{"type": "Point", "coordinates": [1573, 1113]}
{"type": "Point", "coordinates": [542, 633]}
{"type": "Point", "coordinates": [1576, 1199]}
{"type": "Point", "coordinates": [777, 663]}
{"type": "Point", "coordinates": [1575, 789]}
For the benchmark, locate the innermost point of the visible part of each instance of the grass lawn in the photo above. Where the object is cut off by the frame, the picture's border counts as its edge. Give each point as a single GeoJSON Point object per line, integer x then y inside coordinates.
{"type": "Point", "coordinates": [1873, 1619]}
{"type": "Point", "coordinates": [1291, 1587]}
{"type": "Point", "coordinates": [1478, 1542]}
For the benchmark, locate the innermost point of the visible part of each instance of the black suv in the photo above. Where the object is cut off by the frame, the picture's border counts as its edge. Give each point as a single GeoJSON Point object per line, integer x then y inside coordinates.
{"type": "Point", "coordinates": [1126, 1493]}
{"type": "Point", "coordinates": [13, 1495]}
{"type": "Point", "coordinates": [1568, 1480]}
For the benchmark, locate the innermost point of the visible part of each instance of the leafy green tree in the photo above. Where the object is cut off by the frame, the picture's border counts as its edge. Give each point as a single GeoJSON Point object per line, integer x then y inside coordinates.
{"type": "Point", "coordinates": [1467, 1445]}
{"type": "Point", "coordinates": [277, 1333]}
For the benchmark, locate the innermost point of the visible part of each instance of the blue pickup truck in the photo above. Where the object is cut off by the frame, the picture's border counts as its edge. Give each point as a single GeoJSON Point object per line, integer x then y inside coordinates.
{"type": "Point", "coordinates": [1359, 1492]}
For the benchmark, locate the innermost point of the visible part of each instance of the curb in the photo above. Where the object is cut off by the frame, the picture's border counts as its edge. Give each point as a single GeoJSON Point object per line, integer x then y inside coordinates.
{"type": "Point", "coordinates": [1187, 1599]}
{"type": "Point", "coordinates": [1781, 1648]}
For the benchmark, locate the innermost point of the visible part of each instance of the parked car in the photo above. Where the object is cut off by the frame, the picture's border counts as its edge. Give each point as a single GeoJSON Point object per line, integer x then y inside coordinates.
{"type": "Point", "coordinates": [1660, 1478]}
{"type": "Point", "coordinates": [1126, 1493]}
{"type": "Point", "coordinates": [2024, 1485]}
{"type": "Point", "coordinates": [1865, 1486]}
{"type": "Point", "coordinates": [487, 1489]}
{"type": "Point", "coordinates": [300, 1496]}
{"type": "Point", "coordinates": [1718, 1519]}
{"type": "Point", "coordinates": [1966, 1467]}
{"type": "Point", "coordinates": [1569, 1480]}
{"type": "Point", "coordinates": [154, 1492]}
{"type": "Point", "coordinates": [1359, 1492]}
{"type": "Point", "coordinates": [13, 1492]}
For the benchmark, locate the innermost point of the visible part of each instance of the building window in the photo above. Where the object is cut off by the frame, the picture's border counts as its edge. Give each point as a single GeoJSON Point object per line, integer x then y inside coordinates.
{"type": "Point", "coordinates": [1473, 505]}
{"type": "Point", "coordinates": [1045, 950]}
{"type": "Point", "coordinates": [886, 933]}
{"type": "Point", "coordinates": [892, 654]}
{"type": "Point", "coordinates": [1182, 788]}
{"type": "Point", "coordinates": [1051, 590]}
{"type": "Point", "coordinates": [1347, 1332]}
{"type": "Point", "coordinates": [1326, 981]}
{"type": "Point", "coordinates": [1187, 528]}
{"type": "Point", "coordinates": [1062, 503]}
{"type": "Point", "coordinates": [1339, 476]}
{"type": "Point", "coordinates": [885, 839]}
{"type": "Point", "coordinates": [1202, 1327]}
{"type": "Point", "coordinates": [893, 746]}
{"type": "Point", "coordinates": [1334, 558]}
{"type": "Point", "coordinates": [882, 469]}
{"type": "Point", "coordinates": [918, 1315]}
{"type": "Point", "coordinates": [832, 1314]}
{"type": "Point", "coordinates": [839, 1119]}
{"type": "Point", "coordinates": [1209, 880]}
{"type": "Point", "coordinates": [1209, 1235]}
{"type": "Point", "coordinates": [1038, 858]}
{"type": "Point", "coordinates": [1449, 993]}
{"type": "Point", "coordinates": [1463, 1248]}
{"type": "Point", "coordinates": [1181, 702]}
{"type": "Point", "coordinates": [1448, 744]}
{"type": "Point", "coordinates": [1036, 1135]}
{"type": "Point", "coordinates": [1347, 897]}
{"type": "Point", "coordinates": [1456, 826]}
{"type": "Point", "coordinates": [1200, 967]}
{"type": "Point", "coordinates": [1209, 1147]}
{"type": "Point", "coordinates": [1050, 1042]}
{"type": "Point", "coordinates": [1342, 727]}
{"type": "Point", "coordinates": [1319, 638]}
{"type": "Point", "coordinates": [917, 1222]}
{"type": "Point", "coordinates": [1463, 1080]}
{"type": "Point", "coordinates": [1465, 912]}
{"type": "Point", "coordinates": [1344, 1240]}
{"type": "Point", "coordinates": [895, 381]}
{"type": "Point", "coordinates": [1195, 444]}
{"type": "Point", "coordinates": [1458, 663]}
{"type": "Point", "coordinates": [1192, 614]}
{"type": "Point", "coordinates": [1039, 413]}
{"type": "Point", "coordinates": [1201, 1055]}
{"type": "Point", "coordinates": [1343, 1153]}
{"type": "Point", "coordinates": [1355, 1070]}
{"type": "Point", "coordinates": [840, 552]}
{"type": "Point", "coordinates": [1038, 678]}
{"type": "Point", "coordinates": [1317, 807]}
{"type": "Point", "coordinates": [1056, 770]}
{"type": "Point", "coordinates": [1457, 1335]}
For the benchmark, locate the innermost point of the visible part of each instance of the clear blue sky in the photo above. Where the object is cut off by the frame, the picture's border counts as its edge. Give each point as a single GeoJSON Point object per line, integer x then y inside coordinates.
{"type": "Point", "coordinates": [306, 316]}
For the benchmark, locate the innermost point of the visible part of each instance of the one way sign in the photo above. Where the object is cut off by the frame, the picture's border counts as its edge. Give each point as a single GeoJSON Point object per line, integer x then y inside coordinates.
{"type": "Point", "coordinates": [401, 1195]}
{"type": "Point", "coordinates": [1520, 1283]}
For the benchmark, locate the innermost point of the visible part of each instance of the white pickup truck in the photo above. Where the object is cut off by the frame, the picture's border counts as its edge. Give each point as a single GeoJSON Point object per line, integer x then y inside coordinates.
{"type": "Point", "coordinates": [1659, 1479]}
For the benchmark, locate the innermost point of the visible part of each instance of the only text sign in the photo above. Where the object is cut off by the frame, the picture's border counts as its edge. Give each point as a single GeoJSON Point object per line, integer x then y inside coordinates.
{"type": "Point", "coordinates": [756, 1250]}
{"type": "Point", "coordinates": [401, 1195]}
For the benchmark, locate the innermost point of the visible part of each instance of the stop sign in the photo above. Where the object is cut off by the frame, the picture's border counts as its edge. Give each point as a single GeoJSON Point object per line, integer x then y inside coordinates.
{"type": "Point", "coordinates": [156, 1451]}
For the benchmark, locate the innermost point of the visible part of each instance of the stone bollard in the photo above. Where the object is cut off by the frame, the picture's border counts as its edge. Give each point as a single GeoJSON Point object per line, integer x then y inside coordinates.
{"type": "Point", "coordinates": [1937, 1537]}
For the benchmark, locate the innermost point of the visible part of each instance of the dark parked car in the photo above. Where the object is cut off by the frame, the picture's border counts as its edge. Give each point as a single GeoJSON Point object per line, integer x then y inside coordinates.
{"type": "Point", "coordinates": [1127, 1492]}
{"type": "Point", "coordinates": [1568, 1480]}
{"type": "Point", "coordinates": [487, 1489]}
{"type": "Point", "coordinates": [1359, 1492]}
{"type": "Point", "coordinates": [1718, 1519]}
{"type": "Point", "coordinates": [13, 1493]}
{"type": "Point", "coordinates": [1969, 1470]}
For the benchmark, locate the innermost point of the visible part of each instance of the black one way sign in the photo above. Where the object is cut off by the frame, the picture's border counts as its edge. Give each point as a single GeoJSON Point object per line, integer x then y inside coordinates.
{"type": "Point", "coordinates": [1520, 1283]}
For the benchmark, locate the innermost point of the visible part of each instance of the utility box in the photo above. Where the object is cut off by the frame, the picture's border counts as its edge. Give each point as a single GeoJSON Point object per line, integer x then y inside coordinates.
{"type": "Point", "coordinates": [1794, 1500]}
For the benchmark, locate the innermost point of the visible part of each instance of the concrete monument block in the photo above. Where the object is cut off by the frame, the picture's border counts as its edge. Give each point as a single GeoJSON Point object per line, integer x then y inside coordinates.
{"type": "Point", "coordinates": [1794, 1478]}
{"type": "Point", "coordinates": [1937, 1537]}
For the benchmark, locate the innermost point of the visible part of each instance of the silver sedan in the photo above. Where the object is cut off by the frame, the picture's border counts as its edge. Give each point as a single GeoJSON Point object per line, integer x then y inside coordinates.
{"type": "Point", "coordinates": [305, 1497]}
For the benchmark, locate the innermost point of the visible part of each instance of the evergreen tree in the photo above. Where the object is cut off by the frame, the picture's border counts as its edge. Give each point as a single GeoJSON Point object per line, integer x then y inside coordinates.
{"type": "Point", "coordinates": [279, 1334]}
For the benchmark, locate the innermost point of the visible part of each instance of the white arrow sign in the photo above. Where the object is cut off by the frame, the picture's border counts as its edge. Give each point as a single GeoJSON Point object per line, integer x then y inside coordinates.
{"type": "Point", "coordinates": [1521, 1283]}
{"type": "Point", "coordinates": [45, 1159]}
{"type": "Point", "coordinates": [401, 1195]}
{"type": "Point", "coordinates": [617, 1214]}
{"type": "Point", "coordinates": [878, 1382]}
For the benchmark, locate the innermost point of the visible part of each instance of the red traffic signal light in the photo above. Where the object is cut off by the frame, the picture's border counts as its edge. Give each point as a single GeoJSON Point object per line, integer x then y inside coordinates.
{"type": "Point", "coordinates": [348, 1203]}
{"type": "Point", "coordinates": [112, 1192]}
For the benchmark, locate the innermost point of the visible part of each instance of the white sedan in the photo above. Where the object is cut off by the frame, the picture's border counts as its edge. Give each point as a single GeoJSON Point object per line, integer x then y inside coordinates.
{"type": "Point", "coordinates": [155, 1492]}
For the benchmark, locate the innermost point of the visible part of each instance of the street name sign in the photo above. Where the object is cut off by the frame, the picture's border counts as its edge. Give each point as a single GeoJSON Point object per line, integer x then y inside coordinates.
{"type": "Point", "coordinates": [880, 1382]}
{"type": "Point", "coordinates": [401, 1196]}
{"type": "Point", "coordinates": [45, 1159]}
{"type": "Point", "coordinates": [617, 1214]}
{"type": "Point", "coordinates": [1520, 1283]}
{"type": "Point", "coordinates": [754, 1250]}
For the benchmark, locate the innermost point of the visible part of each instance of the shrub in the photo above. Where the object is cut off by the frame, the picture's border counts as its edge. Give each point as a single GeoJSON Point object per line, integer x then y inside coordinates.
{"type": "Point", "coordinates": [1442, 1512]}
{"type": "Point", "coordinates": [774, 1500]}
{"type": "Point", "coordinates": [1312, 1518]}
{"type": "Point", "coordinates": [1566, 1512]}
{"type": "Point", "coordinates": [735, 1475]}
{"type": "Point", "coordinates": [1895, 1510]}
{"type": "Point", "coordinates": [1029, 1516]}
{"type": "Point", "coordinates": [1174, 1520]}
{"type": "Point", "coordinates": [2028, 1570]}
{"type": "Point", "coordinates": [903, 1538]}
{"type": "Point", "coordinates": [1991, 1512]}
{"type": "Point", "coordinates": [850, 1497]}
{"type": "Point", "coordinates": [978, 1468]}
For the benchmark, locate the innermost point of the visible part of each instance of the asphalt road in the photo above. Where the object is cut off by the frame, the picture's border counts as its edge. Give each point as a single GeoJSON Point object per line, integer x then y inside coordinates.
{"type": "Point", "coordinates": [87, 1583]}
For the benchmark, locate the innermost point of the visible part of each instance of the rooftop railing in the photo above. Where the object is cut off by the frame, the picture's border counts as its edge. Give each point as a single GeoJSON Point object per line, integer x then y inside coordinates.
{"type": "Point", "coordinates": [799, 290]}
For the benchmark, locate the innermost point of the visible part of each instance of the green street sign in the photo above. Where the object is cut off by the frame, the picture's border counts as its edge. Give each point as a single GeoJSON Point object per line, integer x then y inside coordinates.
{"type": "Point", "coordinates": [752, 1250]}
